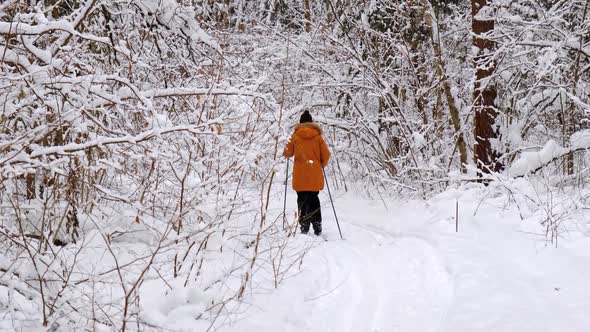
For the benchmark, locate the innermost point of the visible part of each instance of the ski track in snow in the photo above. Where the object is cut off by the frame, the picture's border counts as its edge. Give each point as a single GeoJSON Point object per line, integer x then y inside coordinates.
{"type": "Point", "coordinates": [397, 282]}
{"type": "Point", "coordinates": [374, 281]}
{"type": "Point", "coordinates": [405, 269]}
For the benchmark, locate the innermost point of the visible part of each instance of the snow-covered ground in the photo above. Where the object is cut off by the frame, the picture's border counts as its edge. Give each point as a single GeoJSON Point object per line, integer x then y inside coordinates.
{"type": "Point", "coordinates": [402, 267]}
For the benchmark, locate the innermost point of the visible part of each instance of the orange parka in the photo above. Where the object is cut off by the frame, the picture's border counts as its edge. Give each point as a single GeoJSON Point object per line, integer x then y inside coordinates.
{"type": "Point", "coordinates": [311, 154]}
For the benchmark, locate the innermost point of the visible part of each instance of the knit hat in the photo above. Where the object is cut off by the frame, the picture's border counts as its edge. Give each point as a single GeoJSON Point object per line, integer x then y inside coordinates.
{"type": "Point", "coordinates": [305, 117]}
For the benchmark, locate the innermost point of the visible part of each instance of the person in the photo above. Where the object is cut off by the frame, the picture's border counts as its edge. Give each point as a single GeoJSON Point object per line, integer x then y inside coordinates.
{"type": "Point", "coordinates": [311, 155]}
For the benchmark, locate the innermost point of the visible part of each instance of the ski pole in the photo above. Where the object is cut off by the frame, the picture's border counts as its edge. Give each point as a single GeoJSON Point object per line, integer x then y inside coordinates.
{"type": "Point", "coordinates": [285, 200]}
{"type": "Point", "coordinates": [332, 201]}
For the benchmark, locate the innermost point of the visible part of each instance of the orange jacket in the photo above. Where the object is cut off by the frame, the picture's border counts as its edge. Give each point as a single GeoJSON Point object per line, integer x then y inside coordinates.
{"type": "Point", "coordinates": [311, 154]}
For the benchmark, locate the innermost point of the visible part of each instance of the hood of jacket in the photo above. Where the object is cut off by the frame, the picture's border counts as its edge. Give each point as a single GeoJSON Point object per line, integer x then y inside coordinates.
{"type": "Point", "coordinates": [308, 130]}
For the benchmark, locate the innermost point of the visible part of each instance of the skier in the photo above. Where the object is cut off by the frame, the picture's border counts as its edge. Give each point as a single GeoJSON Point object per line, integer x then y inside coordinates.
{"type": "Point", "coordinates": [311, 155]}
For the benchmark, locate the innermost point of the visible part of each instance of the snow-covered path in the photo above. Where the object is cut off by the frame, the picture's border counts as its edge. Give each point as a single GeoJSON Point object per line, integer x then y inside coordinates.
{"type": "Point", "coordinates": [405, 269]}
{"type": "Point", "coordinates": [360, 281]}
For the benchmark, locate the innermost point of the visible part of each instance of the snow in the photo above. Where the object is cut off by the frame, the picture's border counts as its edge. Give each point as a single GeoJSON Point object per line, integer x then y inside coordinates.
{"type": "Point", "coordinates": [404, 268]}
{"type": "Point", "coordinates": [153, 122]}
{"type": "Point", "coordinates": [401, 267]}
{"type": "Point", "coordinates": [515, 134]}
{"type": "Point", "coordinates": [530, 161]}
{"type": "Point", "coordinates": [546, 61]}
{"type": "Point", "coordinates": [77, 147]}
{"type": "Point", "coordinates": [506, 75]}
{"type": "Point", "coordinates": [419, 140]}
{"type": "Point", "coordinates": [580, 140]}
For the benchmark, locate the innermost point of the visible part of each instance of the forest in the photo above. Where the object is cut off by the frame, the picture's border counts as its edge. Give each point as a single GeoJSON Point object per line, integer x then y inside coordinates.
{"type": "Point", "coordinates": [141, 140]}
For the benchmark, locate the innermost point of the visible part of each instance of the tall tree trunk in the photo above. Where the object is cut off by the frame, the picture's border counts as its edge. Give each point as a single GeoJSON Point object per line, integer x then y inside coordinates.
{"type": "Point", "coordinates": [446, 86]}
{"type": "Point", "coordinates": [572, 117]}
{"type": "Point", "coordinates": [484, 93]}
{"type": "Point", "coordinates": [307, 16]}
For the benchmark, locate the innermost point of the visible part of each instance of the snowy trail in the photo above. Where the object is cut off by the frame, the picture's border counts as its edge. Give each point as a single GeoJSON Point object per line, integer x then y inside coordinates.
{"type": "Point", "coordinates": [399, 282]}
{"type": "Point", "coordinates": [374, 281]}
{"type": "Point", "coordinates": [403, 268]}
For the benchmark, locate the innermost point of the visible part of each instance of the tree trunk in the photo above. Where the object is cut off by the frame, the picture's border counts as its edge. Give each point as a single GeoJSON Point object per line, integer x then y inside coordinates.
{"type": "Point", "coordinates": [572, 118]}
{"type": "Point", "coordinates": [446, 86]}
{"type": "Point", "coordinates": [484, 92]}
{"type": "Point", "coordinates": [307, 16]}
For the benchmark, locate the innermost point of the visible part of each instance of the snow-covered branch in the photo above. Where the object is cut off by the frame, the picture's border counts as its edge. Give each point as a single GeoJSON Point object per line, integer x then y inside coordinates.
{"type": "Point", "coordinates": [531, 162]}
{"type": "Point", "coordinates": [71, 148]}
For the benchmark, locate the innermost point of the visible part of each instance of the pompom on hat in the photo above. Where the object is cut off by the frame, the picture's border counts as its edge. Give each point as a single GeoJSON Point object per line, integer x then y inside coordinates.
{"type": "Point", "coordinates": [305, 117]}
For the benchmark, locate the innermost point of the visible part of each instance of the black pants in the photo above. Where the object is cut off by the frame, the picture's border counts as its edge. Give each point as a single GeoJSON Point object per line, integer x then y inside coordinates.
{"type": "Point", "coordinates": [310, 211]}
